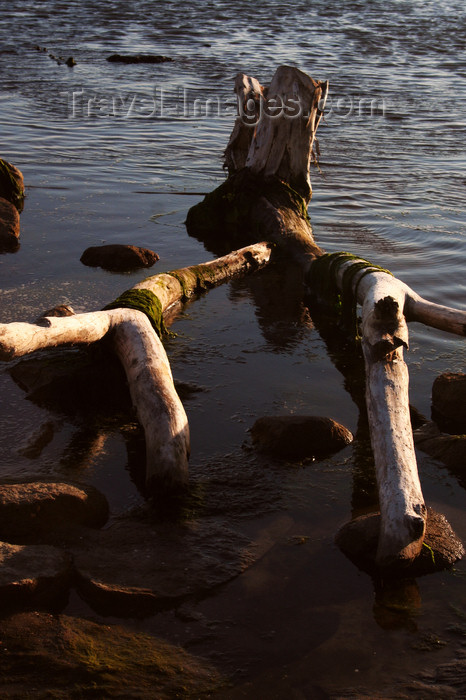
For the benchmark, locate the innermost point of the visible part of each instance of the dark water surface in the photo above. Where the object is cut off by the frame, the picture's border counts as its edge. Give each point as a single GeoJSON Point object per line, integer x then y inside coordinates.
{"type": "Point", "coordinates": [118, 153]}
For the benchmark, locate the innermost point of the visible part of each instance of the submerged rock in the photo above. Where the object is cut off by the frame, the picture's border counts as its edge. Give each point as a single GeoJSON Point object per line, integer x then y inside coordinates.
{"type": "Point", "coordinates": [31, 510]}
{"type": "Point", "coordinates": [358, 540]}
{"type": "Point", "coordinates": [137, 568]}
{"type": "Point", "coordinates": [70, 62]}
{"type": "Point", "coordinates": [75, 382]}
{"type": "Point", "coordinates": [36, 441]}
{"type": "Point", "coordinates": [33, 576]}
{"type": "Point", "coordinates": [298, 437]}
{"type": "Point", "coordinates": [138, 58]}
{"type": "Point", "coordinates": [449, 402]}
{"type": "Point", "coordinates": [449, 449]}
{"type": "Point", "coordinates": [9, 226]}
{"type": "Point", "coordinates": [118, 258]}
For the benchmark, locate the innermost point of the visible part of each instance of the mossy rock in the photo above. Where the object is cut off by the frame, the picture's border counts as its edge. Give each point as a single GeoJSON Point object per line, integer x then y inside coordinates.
{"type": "Point", "coordinates": [62, 657]}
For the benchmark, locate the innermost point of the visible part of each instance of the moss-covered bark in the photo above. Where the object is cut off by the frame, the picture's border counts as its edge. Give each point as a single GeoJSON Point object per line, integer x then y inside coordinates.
{"type": "Point", "coordinates": [247, 208]}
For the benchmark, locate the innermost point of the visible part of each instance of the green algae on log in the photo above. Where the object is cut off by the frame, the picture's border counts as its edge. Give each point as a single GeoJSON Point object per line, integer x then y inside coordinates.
{"type": "Point", "coordinates": [142, 300]}
{"type": "Point", "coordinates": [344, 297]}
{"type": "Point", "coordinates": [248, 208]}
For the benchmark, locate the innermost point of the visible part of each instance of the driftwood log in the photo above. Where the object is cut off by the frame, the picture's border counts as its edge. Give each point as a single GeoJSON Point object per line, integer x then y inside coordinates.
{"type": "Point", "coordinates": [265, 198]}
{"type": "Point", "coordinates": [126, 324]}
{"type": "Point", "coordinates": [387, 304]}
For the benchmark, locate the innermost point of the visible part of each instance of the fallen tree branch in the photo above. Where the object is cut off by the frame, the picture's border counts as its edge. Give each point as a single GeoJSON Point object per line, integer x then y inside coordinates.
{"type": "Point", "coordinates": [132, 334]}
{"type": "Point", "coordinates": [158, 406]}
{"type": "Point", "coordinates": [386, 302]}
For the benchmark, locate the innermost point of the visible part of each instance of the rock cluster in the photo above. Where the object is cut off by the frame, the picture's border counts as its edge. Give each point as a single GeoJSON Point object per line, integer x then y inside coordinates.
{"type": "Point", "coordinates": [51, 539]}
{"type": "Point", "coordinates": [33, 572]}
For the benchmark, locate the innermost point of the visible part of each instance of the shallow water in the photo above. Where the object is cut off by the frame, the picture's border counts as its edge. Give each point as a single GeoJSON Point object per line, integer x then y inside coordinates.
{"type": "Point", "coordinates": [117, 153]}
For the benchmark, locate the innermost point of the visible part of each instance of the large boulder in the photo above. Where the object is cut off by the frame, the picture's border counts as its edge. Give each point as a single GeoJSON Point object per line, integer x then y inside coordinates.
{"type": "Point", "coordinates": [9, 226]}
{"type": "Point", "coordinates": [116, 257]}
{"type": "Point", "coordinates": [299, 437]}
{"type": "Point", "coordinates": [11, 184]}
{"type": "Point", "coordinates": [449, 402]}
{"type": "Point", "coordinates": [31, 510]}
{"type": "Point", "coordinates": [33, 576]}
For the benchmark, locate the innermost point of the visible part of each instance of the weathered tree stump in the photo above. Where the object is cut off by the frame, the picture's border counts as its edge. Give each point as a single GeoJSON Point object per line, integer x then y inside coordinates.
{"type": "Point", "coordinates": [268, 158]}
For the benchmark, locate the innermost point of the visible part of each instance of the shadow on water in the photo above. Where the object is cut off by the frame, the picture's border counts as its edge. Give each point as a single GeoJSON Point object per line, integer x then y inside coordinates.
{"type": "Point", "coordinates": [276, 293]}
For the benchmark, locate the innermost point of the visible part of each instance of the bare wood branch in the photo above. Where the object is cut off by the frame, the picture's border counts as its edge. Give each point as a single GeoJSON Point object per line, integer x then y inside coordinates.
{"type": "Point", "coordinates": [18, 339]}
{"type": "Point", "coordinates": [158, 406]}
{"type": "Point", "coordinates": [384, 301]}
{"type": "Point", "coordinates": [435, 315]}
{"type": "Point", "coordinates": [250, 94]}
{"type": "Point", "coordinates": [142, 355]}
{"type": "Point", "coordinates": [180, 284]}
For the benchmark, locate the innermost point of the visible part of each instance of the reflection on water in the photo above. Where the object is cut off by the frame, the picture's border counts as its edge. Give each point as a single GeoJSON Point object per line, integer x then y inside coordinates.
{"type": "Point", "coordinates": [390, 187]}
